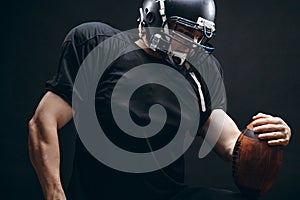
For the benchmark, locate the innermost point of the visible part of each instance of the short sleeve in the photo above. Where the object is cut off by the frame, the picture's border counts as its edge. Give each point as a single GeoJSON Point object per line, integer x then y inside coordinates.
{"type": "Point", "coordinates": [210, 75]}
{"type": "Point", "coordinates": [78, 43]}
{"type": "Point", "coordinates": [62, 82]}
{"type": "Point", "coordinates": [216, 86]}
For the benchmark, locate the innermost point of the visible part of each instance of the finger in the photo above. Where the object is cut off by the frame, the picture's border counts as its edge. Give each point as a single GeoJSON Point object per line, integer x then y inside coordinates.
{"type": "Point", "coordinates": [269, 128]}
{"type": "Point", "coordinates": [261, 115]}
{"type": "Point", "coordinates": [272, 136]}
{"type": "Point", "coordinates": [269, 120]}
{"type": "Point", "coordinates": [277, 142]}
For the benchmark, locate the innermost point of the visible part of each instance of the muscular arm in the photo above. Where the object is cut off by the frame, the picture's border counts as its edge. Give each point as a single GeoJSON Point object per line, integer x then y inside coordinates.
{"type": "Point", "coordinates": [51, 114]}
{"type": "Point", "coordinates": [272, 129]}
{"type": "Point", "coordinates": [227, 136]}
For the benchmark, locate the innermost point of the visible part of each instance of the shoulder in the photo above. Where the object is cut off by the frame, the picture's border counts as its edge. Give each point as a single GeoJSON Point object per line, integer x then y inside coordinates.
{"type": "Point", "coordinates": [212, 60]}
{"type": "Point", "coordinates": [214, 63]}
{"type": "Point", "coordinates": [90, 30]}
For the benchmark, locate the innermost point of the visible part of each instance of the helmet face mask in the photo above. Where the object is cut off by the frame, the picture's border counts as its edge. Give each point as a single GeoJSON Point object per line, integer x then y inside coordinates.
{"type": "Point", "coordinates": [167, 22]}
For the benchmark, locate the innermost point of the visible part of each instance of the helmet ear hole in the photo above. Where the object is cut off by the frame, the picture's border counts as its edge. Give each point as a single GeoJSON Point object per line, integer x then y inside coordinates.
{"type": "Point", "coordinates": [150, 17]}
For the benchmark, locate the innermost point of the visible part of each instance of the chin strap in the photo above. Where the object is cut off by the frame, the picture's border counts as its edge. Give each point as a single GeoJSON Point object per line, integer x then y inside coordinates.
{"type": "Point", "coordinates": [141, 20]}
{"type": "Point", "coordinates": [162, 12]}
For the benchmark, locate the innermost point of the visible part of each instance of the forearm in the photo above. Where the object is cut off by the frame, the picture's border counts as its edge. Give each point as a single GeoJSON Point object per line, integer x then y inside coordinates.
{"type": "Point", "coordinates": [227, 140]}
{"type": "Point", "coordinates": [223, 134]}
{"type": "Point", "coordinates": [45, 157]}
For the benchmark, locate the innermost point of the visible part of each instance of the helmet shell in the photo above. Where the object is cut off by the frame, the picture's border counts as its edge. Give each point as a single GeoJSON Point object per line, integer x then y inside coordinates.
{"type": "Point", "coordinates": [187, 9]}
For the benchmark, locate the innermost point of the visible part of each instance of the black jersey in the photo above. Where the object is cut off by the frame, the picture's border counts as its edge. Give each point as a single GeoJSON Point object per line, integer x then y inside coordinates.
{"type": "Point", "coordinates": [90, 178]}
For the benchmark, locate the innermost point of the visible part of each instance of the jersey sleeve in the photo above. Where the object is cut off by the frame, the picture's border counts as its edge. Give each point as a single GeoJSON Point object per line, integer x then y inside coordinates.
{"type": "Point", "coordinates": [62, 82]}
{"type": "Point", "coordinates": [216, 86]}
{"type": "Point", "coordinates": [78, 43]}
{"type": "Point", "coordinates": [210, 75]}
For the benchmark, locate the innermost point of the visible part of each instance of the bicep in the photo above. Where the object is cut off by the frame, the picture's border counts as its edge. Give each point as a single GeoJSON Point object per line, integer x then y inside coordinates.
{"type": "Point", "coordinates": [53, 110]}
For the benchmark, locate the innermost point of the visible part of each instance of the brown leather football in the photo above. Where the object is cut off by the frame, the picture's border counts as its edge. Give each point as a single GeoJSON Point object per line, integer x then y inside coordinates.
{"type": "Point", "coordinates": [255, 164]}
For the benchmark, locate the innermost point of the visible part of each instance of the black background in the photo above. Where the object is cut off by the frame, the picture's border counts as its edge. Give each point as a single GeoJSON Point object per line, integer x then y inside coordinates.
{"type": "Point", "coordinates": [257, 44]}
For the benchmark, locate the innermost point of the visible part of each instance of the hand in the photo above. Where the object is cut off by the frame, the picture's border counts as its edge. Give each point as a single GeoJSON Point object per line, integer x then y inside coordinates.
{"type": "Point", "coordinates": [272, 129]}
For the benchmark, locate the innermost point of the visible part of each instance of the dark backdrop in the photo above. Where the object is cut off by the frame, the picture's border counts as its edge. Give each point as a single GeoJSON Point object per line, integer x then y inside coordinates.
{"type": "Point", "coordinates": [257, 44]}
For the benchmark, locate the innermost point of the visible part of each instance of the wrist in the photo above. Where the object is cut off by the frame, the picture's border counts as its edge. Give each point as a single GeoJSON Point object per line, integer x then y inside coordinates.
{"type": "Point", "coordinates": [55, 193]}
{"type": "Point", "coordinates": [51, 189]}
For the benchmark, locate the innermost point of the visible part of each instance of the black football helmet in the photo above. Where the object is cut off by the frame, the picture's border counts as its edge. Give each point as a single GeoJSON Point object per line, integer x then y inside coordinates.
{"type": "Point", "coordinates": [157, 15]}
